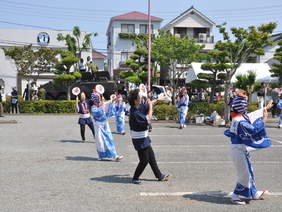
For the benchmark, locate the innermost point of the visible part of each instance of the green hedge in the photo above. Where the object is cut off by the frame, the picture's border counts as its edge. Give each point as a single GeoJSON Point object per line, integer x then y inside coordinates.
{"type": "Point", "coordinates": [161, 110]}
{"type": "Point", "coordinates": [42, 106]}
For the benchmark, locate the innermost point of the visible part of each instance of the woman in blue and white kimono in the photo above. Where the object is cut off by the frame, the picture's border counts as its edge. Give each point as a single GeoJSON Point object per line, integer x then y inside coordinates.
{"type": "Point", "coordinates": [247, 133]}
{"type": "Point", "coordinates": [103, 137]}
{"type": "Point", "coordinates": [182, 106]}
{"type": "Point", "coordinates": [120, 114]}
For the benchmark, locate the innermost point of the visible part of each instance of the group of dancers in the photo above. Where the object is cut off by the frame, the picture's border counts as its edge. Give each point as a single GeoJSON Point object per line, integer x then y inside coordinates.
{"type": "Point", "coordinates": [247, 133]}
{"type": "Point", "coordinates": [139, 116]}
{"type": "Point", "coordinates": [100, 111]}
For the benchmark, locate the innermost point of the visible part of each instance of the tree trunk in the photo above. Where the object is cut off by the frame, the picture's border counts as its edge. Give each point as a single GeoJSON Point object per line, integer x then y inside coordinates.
{"type": "Point", "coordinates": [68, 90]}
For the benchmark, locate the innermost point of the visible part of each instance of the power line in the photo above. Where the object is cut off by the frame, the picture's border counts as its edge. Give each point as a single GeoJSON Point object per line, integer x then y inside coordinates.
{"type": "Point", "coordinates": [65, 11]}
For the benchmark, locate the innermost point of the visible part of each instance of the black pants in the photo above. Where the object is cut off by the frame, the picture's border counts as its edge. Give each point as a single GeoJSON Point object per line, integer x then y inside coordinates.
{"type": "Point", "coordinates": [82, 130]}
{"type": "Point", "coordinates": [15, 107]}
{"type": "Point", "coordinates": [146, 156]}
{"type": "Point", "coordinates": [274, 109]}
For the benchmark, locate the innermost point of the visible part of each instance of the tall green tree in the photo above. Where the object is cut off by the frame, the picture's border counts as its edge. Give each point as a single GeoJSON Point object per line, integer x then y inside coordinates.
{"type": "Point", "coordinates": [31, 63]}
{"type": "Point", "coordinates": [75, 43]}
{"type": "Point", "coordinates": [64, 74]}
{"type": "Point", "coordinates": [138, 62]}
{"type": "Point", "coordinates": [214, 73]}
{"type": "Point", "coordinates": [277, 67]}
{"type": "Point", "coordinates": [175, 55]}
{"type": "Point", "coordinates": [247, 41]}
{"type": "Point", "coordinates": [246, 82]}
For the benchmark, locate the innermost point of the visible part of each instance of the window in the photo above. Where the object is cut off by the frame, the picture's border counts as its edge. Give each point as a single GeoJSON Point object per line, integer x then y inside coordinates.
{"type": "Point", "coordinates": [144, 28]}
{"type": "Point", "coordinates": [124, 56]}
{"type": "Point", "coordinates": [128, 28]}
{"type": "Point", "coordinates": [109, 38]}
{"type": "Point", "coordinates": [181, 31]}
{"type": "Point", "coordinates": [197, 31]}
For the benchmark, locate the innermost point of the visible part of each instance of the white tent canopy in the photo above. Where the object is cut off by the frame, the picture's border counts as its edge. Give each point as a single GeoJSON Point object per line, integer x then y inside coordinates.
{"type": "Point", "coordinates": [268, 79]}
{"type": "Point", "coordinates": [261, 69]}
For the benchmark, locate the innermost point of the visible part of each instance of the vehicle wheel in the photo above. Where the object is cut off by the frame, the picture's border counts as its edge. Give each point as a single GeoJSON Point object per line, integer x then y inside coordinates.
{"type": "Point", "coordinates": [49, 97]}
{"type": "Point", "coordinates": [63, 97]}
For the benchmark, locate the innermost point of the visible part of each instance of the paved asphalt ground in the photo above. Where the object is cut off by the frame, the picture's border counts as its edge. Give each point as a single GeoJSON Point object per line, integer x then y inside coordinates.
{"type": "Point", "coordinates": [45, 167]}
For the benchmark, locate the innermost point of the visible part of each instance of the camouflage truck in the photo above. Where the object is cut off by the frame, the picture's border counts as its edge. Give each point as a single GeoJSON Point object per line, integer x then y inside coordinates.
{"type": "Point", "coordinates": [86, 85]}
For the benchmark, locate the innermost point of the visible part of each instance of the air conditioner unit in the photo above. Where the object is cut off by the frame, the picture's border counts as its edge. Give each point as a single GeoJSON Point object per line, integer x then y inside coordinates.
{"type": "Point", "coordinates": [177, 35]}
{"type": "Point", "coordinates": [202, 37]}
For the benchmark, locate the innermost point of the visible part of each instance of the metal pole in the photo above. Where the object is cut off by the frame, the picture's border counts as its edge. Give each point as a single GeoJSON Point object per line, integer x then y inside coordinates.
{"type": "Point", "coordinates": [149, 46]}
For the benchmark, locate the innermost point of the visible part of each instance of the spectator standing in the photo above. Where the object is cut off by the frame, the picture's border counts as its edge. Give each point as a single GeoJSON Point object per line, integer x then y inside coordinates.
{"type": "Point", "coordinates": [231, 98]}
{"type": "Point", "coordinates": [274, 95]}
{"type": "Point", "coordinates": [168, 95]}
{"type": "Point", "coordinates": [14, 100]}
{"type": "Point", "coordinates": [201, 95]}
{"type": "Point", "coordinates": [27, 93]}
{"type": "Point", "coordinates": [88, 60]}
{"type": "Point", "coordinates": [279, 106]}
{"type": "Point", "coordinates": [260, 97]}
{"type": "Point", "coordinates": [41, 93]}
{"type": "Point", "coordinates": [82, 66]}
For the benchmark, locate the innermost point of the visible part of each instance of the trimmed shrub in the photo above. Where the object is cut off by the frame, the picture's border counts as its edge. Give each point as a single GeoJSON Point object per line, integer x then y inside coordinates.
{"type": "Point", "coordinates": [161, 110]}
{"type": "Point", "coordinates": [43, 106]}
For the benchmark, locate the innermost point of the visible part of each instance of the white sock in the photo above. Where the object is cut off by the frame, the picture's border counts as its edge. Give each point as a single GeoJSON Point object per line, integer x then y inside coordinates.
{"type": "Point", "coordinates": [235, 197]}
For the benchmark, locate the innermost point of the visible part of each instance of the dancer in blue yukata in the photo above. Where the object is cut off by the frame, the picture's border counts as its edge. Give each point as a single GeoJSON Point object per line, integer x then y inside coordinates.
{"type": "Point", "coordinates": [120, 114]}
{"type": "Point", "coordinates": [103, 137]}
{"type": "Point", "coordinates": [247, 133]}
{"type": "Point", "coordinates": [182, 106]}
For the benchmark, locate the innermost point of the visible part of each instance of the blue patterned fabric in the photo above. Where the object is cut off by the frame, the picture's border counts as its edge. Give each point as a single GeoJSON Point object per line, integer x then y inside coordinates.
{"type": "Point", "coordinates": [120, 114]}
{"type": "Point", "coordinates": [246, 137]}
{"type": "Point", "coordinates": [103, 137]}
{"type": "Point", "coordinates": [182, 106]}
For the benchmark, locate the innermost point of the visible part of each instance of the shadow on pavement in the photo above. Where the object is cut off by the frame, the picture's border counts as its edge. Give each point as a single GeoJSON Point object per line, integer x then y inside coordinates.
{"type": "Point", "coordinates": [81, 158]}
{"type": "Point", "coordinates": [212, 198]}
{"type": "Point", "coordinates": [74, 141]}
{"type": "Point", "coordinates": [114, 178]}
{"type": "Point", "coordinates": [276, 126]}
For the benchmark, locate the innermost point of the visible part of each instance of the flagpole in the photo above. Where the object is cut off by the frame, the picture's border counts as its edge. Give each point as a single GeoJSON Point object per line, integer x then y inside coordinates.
{"type": "Point", "coordinates": [149, 46]}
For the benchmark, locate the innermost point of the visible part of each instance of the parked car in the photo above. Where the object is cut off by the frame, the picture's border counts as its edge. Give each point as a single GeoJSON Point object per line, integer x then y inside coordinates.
{"type": "Point", "coordinates": [160, 90]}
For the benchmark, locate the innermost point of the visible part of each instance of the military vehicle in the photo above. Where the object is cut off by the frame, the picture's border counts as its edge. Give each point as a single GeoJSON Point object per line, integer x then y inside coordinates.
{"type": "Point", "coordinates": [86, 84]}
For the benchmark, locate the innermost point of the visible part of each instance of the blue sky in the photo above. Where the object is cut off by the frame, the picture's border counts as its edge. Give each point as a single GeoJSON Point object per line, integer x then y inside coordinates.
{"type": "Point", "coordinates": [94, 16]}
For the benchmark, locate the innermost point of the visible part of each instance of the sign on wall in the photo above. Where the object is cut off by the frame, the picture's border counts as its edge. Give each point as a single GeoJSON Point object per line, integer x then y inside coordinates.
{"type": "Point", "coordinates": [43, 39]}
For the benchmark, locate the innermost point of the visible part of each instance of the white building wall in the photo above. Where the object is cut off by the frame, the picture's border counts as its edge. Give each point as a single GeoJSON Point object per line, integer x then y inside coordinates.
{"type": "Point", "coordinates": [20, 38]}
{"type": "Point", "coordinates": [99, 62]}
{"type": "Point", "coordinates": [119, 45]}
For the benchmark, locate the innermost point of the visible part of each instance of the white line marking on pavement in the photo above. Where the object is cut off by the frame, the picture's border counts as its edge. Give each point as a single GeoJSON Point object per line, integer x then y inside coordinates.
{"type": "Point", "coordinates": [217, 162]}
{"type": "Point", "coordinates": [197, 146]}
{"type": "Point", "coordinates": [191, 146]}
{"type": "Point", "coordinates": [280, 142]}
{"type": "Point", "coordinates": [209, 193]}
{"type": "Point", "coordinates": [186, 135]}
